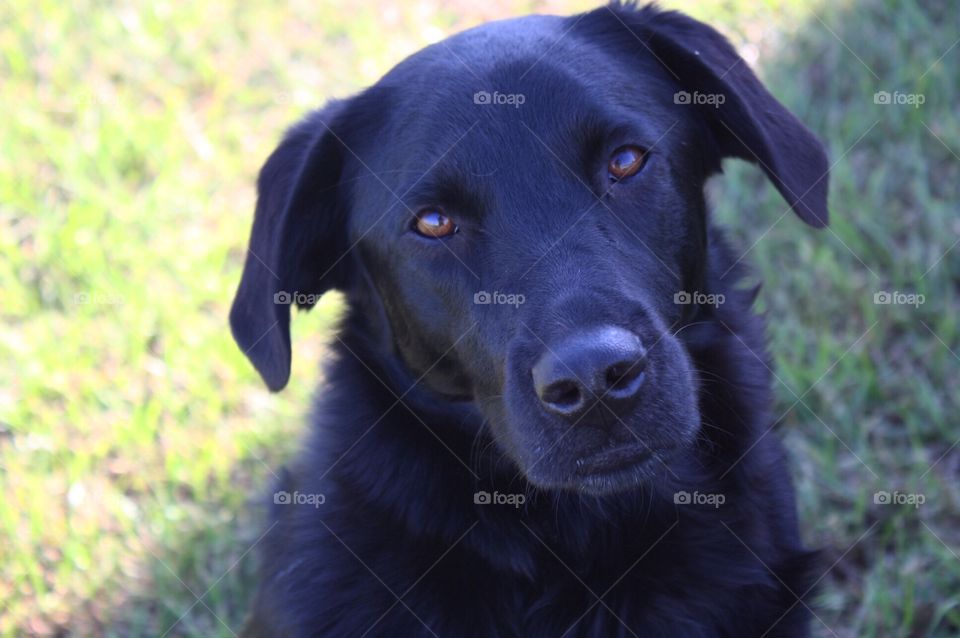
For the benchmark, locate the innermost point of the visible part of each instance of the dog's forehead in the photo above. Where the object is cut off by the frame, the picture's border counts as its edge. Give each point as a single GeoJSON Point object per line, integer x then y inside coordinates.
{"type": "Point", "coordinates": [493, 43]}
{"type": "Point", "coordinates": [514, 57]}
{"type": "Point", "coordinates": [504, 83]}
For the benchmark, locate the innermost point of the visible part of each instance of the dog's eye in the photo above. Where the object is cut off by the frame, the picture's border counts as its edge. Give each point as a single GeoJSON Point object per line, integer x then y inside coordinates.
{"type": "Point", "coordinates": [626, 161]}
{"type": "Point", "coordinates": [431, 222]}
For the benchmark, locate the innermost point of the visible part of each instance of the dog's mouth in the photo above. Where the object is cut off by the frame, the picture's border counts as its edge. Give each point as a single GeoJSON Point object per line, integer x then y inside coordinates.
{"type": "Point", "coordinates": [615, 469]}
{"type": "Point", "coordinates": [612, 461]}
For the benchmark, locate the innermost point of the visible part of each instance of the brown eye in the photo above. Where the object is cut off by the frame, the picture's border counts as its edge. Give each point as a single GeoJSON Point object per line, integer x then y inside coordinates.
{"type": "Point", "coordinates": [431, 222]}
{"type": "Point", "coordinates": [625, 161]}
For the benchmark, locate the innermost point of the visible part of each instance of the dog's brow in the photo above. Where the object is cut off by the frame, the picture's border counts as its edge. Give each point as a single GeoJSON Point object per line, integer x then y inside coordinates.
{"type": "Point", "coordinates": [447, 187]}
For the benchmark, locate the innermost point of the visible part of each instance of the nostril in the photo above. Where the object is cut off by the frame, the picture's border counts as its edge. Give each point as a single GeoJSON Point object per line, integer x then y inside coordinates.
{"type": "Point", "coordinates": [624, 377]}
{"type": "Point", "coordinates": [620, 375]}
{"type": "Point", "coordinates": [564, 394]}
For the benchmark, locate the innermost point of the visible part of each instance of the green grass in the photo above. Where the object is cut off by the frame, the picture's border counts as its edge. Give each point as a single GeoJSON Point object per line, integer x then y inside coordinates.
{"type": "Point", "coordinates": [134, 435]}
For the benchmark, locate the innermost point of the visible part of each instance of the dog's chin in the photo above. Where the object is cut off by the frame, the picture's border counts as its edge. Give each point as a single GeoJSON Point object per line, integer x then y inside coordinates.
{"type": "Point", "coordinates": [602, 472]}
{"type": "Point", "coordinates": [601, 462]}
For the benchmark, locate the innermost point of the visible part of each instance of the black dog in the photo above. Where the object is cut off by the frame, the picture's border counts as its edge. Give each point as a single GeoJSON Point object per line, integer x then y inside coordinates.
{"type": "Point", "coordinates": [547, 413]}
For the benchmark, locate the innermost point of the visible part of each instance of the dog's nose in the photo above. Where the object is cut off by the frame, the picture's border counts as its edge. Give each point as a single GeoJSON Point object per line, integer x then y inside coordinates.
{"type": "Point", "coordinates": [605, 364]}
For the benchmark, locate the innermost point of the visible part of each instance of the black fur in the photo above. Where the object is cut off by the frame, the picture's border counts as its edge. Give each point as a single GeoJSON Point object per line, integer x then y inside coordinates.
{"type": "Point", "coordinates": [428, 398]}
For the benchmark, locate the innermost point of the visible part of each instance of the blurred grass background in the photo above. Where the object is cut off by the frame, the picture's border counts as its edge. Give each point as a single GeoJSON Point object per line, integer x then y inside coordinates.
{"type": "Point", "coordinates": [134, 435]}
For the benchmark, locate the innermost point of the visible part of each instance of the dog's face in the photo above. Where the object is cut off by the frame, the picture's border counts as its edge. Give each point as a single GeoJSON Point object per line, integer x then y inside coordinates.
{"type": "Point", "coordinates": [516, 210]}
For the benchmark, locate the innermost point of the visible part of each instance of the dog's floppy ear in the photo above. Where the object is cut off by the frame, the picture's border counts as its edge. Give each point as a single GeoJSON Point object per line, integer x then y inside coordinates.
{"type": "Point", "coordinates": [749, 123]}
{"type": "Point", "coordinates": [295, 245]}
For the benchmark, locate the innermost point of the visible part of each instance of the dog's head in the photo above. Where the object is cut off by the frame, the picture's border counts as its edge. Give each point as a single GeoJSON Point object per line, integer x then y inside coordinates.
{"type": "Point", "coordinates": [519, 213]}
